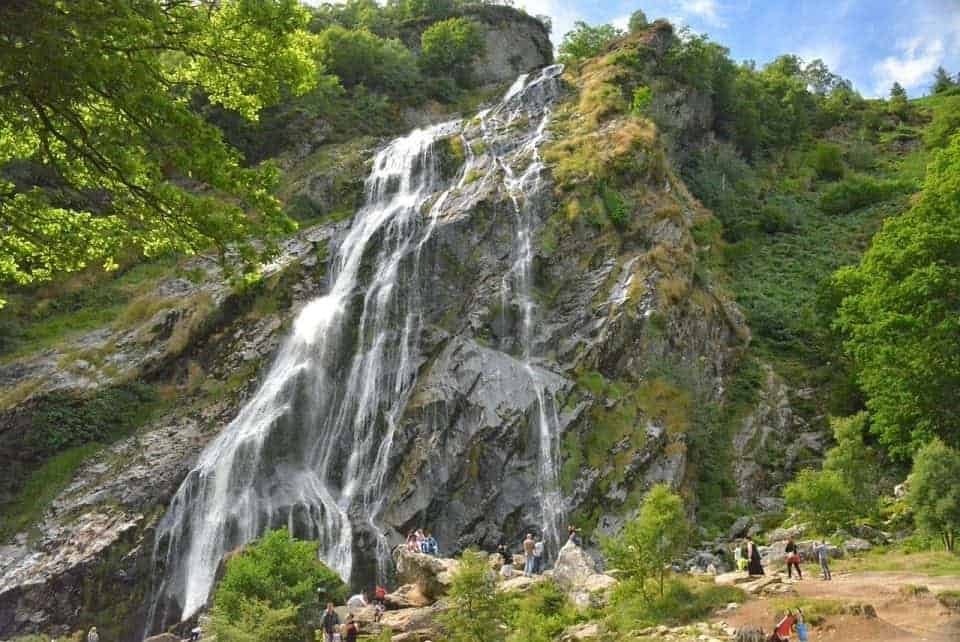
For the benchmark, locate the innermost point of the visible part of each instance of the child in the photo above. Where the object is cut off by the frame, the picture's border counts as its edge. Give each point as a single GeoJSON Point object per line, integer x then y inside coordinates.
{"type": "Point", "coordinates": [801, 627]}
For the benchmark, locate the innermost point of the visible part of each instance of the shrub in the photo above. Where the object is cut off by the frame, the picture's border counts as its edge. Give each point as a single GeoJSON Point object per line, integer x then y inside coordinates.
{"type": "Point", "coordinates": [447, 48]}
{"type": "Point", "coordinates": [542, 614]}
{"type": "Point", "coordinates": [266, 587]}
{"type": "Point", "coordinates": [822, 498]}
{"type": "Point", "coordinates": [828, 161]}
{"type": "Point", "coordinates": [584, 41]}
{"type": "Point", "coordinates": [934, 494]}
{"type": "Point", "coordinates": [638, 21]}
{"type": "Point", "coordinates": [859, 191]}
{"type": "Point", "coordinates": [642, 97]}
{"type": "Point", "coordinates": [649, 543]}
{"type": "Point", "coordinates": [357, 56]}
{"type": "Point", "coordinates": [684, 600]}
{"type": "Point", "coordinates": [477, 610]}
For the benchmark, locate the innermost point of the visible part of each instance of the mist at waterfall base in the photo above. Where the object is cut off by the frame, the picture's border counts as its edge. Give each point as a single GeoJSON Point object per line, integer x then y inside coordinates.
{"type": "Point", "coordinates": [310, 451]}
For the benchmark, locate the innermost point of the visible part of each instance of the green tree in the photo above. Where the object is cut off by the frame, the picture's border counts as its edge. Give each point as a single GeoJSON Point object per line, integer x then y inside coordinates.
{"type": "Point", "coordinates": [584, 41]}
{"type": "Point", "coordinates": [638, 21]}
{"type": "Point", "coordinates": [941, 81]}
{"type": "Point", "coordinates": [828, 161]}
{"type": "Point", "coordinates": [934, 493]}
{"type": "Point", "coordinates": [897, 91]}
{"type": "Point", "coordinates": [855, 460]}
{"type": "Point", "coordinates": [448, 47]}
{"type": "Point", "coordinates": [898, 316]}
{"type": "Point", "coordinates": [96, 95]}
{"type": "Point", "coordinates": [477, 610]}
{"type": "Point", "coordinates": [357, 56]}
{"type": "Point", "coordinates": [821, 497]}
{"type": "Point", "coordinates": [265, 589]}
{"type": "Point", "coordinates": [648, 544]}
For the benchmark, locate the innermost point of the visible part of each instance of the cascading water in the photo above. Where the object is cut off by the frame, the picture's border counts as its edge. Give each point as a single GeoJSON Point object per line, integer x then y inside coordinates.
{"type": "Point", "coordinates": [525, 193]}
{"type": "Point", "coordinates": [311, 449]}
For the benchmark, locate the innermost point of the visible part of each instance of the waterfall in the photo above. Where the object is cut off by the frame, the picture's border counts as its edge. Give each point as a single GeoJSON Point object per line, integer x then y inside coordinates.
{"type": "Point", "coordinates": [526, 100]}
{"type": "Point", "coordinates": [310, 450]}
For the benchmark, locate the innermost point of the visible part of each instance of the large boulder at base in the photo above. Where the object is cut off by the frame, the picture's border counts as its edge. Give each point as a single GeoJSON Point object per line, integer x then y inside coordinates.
{"type": "Point", "coordinates": [431, 575]}
{"type": "Point", "coordinates": [407, 620]}
{"type": "Point", "coordinates": [740, 527]}
{"type": "Point", "coordinates": [576, 573]}
{"type": "Point", "coordinates": [407, 596]}
{"type": "Point", "coordinates": [519, 584]}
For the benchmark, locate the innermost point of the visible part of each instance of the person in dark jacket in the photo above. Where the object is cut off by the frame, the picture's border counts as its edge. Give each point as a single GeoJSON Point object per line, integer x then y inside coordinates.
{"type": "Point", "coordinates": [754, 567]}
{"type": "Point", "coordinates": [329, 623]}
{"type": "Point", "coordinates": [350, 630]}
{"type": "Point", "coordinates": [793, 559]}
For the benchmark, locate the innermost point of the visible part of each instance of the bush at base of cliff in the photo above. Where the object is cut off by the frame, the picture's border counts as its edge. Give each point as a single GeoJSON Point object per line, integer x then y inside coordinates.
{"type": "Point", "coordinates": [266, 590]}
{"type": "Point", "coordinates": [542, 614]}
{"type": "Point", "coordinates": [684, 600]}
{"type": "Point", "coordinates": [477, 612]}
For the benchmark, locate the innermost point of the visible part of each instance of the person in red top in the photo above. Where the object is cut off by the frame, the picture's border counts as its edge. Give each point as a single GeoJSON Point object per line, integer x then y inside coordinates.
{"type": "Point", "coordinates": [379, 602]}
{"type": "Point", "coordinates": [782, 632]}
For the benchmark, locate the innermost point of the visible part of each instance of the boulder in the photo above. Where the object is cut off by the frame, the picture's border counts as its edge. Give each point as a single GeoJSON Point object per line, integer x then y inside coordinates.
{"type": "Point", "coordinates": [750, 634]}
{"type": "Point", "coordinates": [407, 596]}
{"type": "Point", "coordinates": [782, 534]}
{"type": "Point", "coordinates": [755, 587]}
{"type": "Point", "coordinates": [431, 575]}
{"type": "Point", "coordinates": [163, 637]}
{"type": "Point", "coordinates": [576, 573]}
{"type": "Point", "coordinates": [519, 584]}
{"type": "Point", "coordinates": [740, 527]}
{"type": "Point", "coordinates": [732, 579]}
{"type": "Point", "coordinates": [406, 620]}
{"type": "Point", "coordinates": [856, 545]}
{"type": "Point", "coordinates": [586, 631]}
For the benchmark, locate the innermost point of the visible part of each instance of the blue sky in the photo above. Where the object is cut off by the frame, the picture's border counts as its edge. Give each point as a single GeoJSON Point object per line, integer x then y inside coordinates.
{"type": "Point", "coordinates": [871, 42]}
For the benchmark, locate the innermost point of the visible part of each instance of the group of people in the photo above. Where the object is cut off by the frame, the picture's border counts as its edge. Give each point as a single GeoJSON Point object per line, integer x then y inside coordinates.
{"type": "Point", "coordinates": [420, 541]}
{"type": "Point", "coordinates": [746, 556]}
{"type": "Point", "coordinates": [333, 631]}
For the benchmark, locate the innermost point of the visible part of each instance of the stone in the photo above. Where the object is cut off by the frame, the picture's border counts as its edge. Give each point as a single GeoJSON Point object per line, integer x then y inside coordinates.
{"type": "Point", "coordinates": [732, 579]}
{"type": "Point", "coordinates": [756, 586]}
{"type": "Point", "coordinates": [405, 597]}
{"type": "Point", "coordinates": [740, 527]}
{"type": "Point", "coordinates": [406, 620]}
{"type": "Point", "coordinates": [586, 631]}
{"type": "Point", "coordinates": [519, 584]}
{"type": "Point", "coordinates": [782, 534]}
{"type": "Point", "coordinates": [431, 575]}
{"type": "Point", "coordinates": [750, 634]}
{"type": "Point", "coordinates": [856, 545]}
{"type": "Point", "coordinates": [163, 637]}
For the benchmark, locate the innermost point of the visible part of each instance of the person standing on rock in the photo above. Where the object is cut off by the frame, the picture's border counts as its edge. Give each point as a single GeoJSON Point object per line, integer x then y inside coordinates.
{"type": "Point", "coordinates": [329, 623]}
{"type": "Point", "coordinates": [538, 556]}
{"type": "Point", "coordinates": [755, 567]}
{"type": "Point", "coordinates": [793, 559]}
{"type": "Point", "coordinates": [573, 536]}
{"type": "Point", "coordinates": [823, 556]}
{"type": "Point", "coordinates": [93, 636]}
{"type": "Point", "coordinates": [528, 559]}
{"type": "Point", "coordinates": [430, 544]}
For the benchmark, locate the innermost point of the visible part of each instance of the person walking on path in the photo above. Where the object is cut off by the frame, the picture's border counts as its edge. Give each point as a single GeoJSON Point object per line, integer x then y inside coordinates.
{"type": "Point", "coordinates": [785, 627]}
{"type": "Point", "coordinates": [528, 561]}
{"type": "Point", "coordinates": [793, 559]}
{"type": "Point", "coordinates": [506, 564]}
{"type": "Point", "coordinates": [801, 626]}
{"type": "Point", "coordinates": [329, 623]}
{"type": "Point", "coordinates": [755, 566]}
{"type": "Point", "coordinates": [92, 635]}
{"type": "Point", "coordinates": [538, 556]}
{"type": "Point", "coordinates": [823, 556]}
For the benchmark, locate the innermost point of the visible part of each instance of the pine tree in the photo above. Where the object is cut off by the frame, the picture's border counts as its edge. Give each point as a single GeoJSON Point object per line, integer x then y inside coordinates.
{"type": "Point", "coordinates": [941, 81]}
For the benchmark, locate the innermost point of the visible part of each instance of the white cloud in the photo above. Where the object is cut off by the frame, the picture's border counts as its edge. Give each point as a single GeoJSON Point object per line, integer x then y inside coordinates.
{"type": "Point", "coordinates": [622, 22]}
{"type": "Point", "coordinates": [912, 67]}
{"type": "Point", "coordinates": [707, 10]}
{"type": "Point", "coordinates": [563, 13]}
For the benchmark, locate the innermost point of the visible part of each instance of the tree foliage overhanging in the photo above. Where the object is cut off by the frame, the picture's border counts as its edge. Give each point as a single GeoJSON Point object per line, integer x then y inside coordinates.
{"type": "Point", "coordinates": [95, 99]}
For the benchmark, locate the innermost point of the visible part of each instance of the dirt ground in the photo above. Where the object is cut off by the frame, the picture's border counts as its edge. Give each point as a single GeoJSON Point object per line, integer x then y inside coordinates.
{"type": "Point", "coordinates": [900, 618]}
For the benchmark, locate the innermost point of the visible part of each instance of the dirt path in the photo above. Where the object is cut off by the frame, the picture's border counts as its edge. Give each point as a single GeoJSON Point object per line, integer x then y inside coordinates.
{"type": "Point", "coordinates": [900, 618]}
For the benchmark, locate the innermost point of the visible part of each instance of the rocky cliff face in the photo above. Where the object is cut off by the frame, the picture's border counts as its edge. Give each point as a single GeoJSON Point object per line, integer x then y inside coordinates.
{"type": "Point", "coordinates": [569, 344]}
